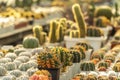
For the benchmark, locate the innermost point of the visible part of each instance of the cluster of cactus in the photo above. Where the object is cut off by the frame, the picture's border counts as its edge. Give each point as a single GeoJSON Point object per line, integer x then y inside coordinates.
{"type": "Point", "coordinates": [87, 66]}
{"type": "Point", "coordinates": [30, 42]}
{"type": "Point", "coordinates": [76, 56]}
{"type": "Point", "coordinates": [102, 21]}
{"type": "Point", "coordinates": [48, 60]}
{"type": "Point", "coordinates": [39, 34]}
{"type": "Point", "coordinates": [73, 31]}
{"type": "Point", "coordinates": [85, 45]}
{"type": "Point", "coordinates": [81, 50]}
{"type": "Point", "coordinates": [104, 11]}
{"type": "Point", "coordinates": [57, 30]}
{"type": "Point", "coordinates": [91, 77]}
{"type": "Point", "coordinates": [64, 54]}
{"type": "Point", "coordinates": [94, 32]}
{"type": "Point", "coordinates": [116, 67]}
{"type": "Point", "coordinates": [78, 16]}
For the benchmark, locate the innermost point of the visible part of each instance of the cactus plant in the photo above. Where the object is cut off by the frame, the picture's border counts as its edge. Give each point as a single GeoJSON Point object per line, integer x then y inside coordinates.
{"type": "Point", "coordinates": [87, 66]}
{"type": "Point", "coordinates": [16, 73]}
{"type": "Point", "coordinates": [48, 60]}
{"type": "Point", "coordinates": [94, 32]}
{"type": "Point", "coordinates": [3, 71]}
{"type": "Point", "coordinates": [85, 45]}
{"type": "Point", "coordinates": [52, 33]}
{"type": "Point", "coordinates": [81, 49]}
{"type": "Point", "coordinates": [78, 16]}
{"type": "Point", "coordinates": [76, 56]}
{"type": "Point", "coordinates": [116, 67]}
{"type": "Point", "coordinates": [30, 42]}
{"type": "Point", "coordinates": [39, 34]}
{"type": "Point", "coordinates": [60, 34]}
{"type": "Point", "coordinates": [104, 11]}
{"type": "Point", "coordinates": [10, 66]}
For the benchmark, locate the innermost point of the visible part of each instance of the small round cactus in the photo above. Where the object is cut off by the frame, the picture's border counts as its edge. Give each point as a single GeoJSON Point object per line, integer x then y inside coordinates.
{"type": "Point", "coordinates": [16, 73]}
{"type": "Point", "coordinates": [30, 42]}
{"type": "Point", "coordinates": [3, 71]}
{"type": "Point", "coordinates": [23, 77]}
{"type": "Point", "coordinates": [17, 62]}
{"type": "Point", "coordinates": [28, 54]}
{"type": "Point", "coordinates": [31, 71]}
{"type": "Point", "coordinates": [10, 66]}
{"type": "Point", "coordinates": [9, 77]}
{"type": "Point", "coordinates": [12, 56]}
{"type": "Point", "coordinates": [23, 59]}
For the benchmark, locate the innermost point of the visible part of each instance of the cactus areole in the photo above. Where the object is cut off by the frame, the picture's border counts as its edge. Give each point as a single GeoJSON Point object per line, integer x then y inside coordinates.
{"type": "Point", "coordinates": [78, 16]}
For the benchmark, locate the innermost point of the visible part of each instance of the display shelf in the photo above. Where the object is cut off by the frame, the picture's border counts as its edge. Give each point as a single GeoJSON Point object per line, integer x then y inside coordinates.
{"type": "Point", "coordinates": [18, 34]}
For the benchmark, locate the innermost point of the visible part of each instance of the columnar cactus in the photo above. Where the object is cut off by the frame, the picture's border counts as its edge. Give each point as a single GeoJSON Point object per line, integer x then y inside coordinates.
{"type": "Point", "coordinates": [39, 34]}
{"type": "Point", "coordinates": [52, 33]}
{"type": "Point", "coordinates": [78, 16]}
{"type": "Point", "coordinates": [116, 10]}
{"type": "Point", "coordinates": [60, 34]}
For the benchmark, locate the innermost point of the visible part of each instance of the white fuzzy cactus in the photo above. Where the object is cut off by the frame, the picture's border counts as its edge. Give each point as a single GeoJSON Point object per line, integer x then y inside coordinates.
{"type": "Point", "coordinates": [12, 56]}
{"type": "Point", "coordinates": [9, 77]}
{"type": "Point", "coordinates": [16, 73]}
{"type": "Point", "coordinates": [23, 77]}
{"type": "Point", "coordinates": [18, 51]}
{"type": "Point", "coordinates": [17, 63]}
{"type": "Point", "coordinates": [11, 66]}
{"type": "Point", "coordinates": [5, 60]}
{"type": "Point", "coordinates": [23, 59]}
{"type": "Point", "coordinates": [28, 54]}
{"type": "Point", "coordinates": [3, 71]}
{"type": "Point", "coordinates": [31, 71]}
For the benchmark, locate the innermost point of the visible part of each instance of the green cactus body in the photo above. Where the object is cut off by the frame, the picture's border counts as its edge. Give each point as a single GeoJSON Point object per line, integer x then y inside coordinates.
{"type": "Point", "coordinates": [84, 44]}
{"type": "Point", "coordinates": [87, 66]}
{"type": "Point", "coordinates": [94, 32]}
{"type": "Point", "coordinates": [76, 56]}
{"type": "Point", "coordinates": [39, 34]}
{"type": "Point", "coordinates": [78, 16]}
{"type": "Point", "coordinates": [60, 35]}
{"type": "Point", "coordinates": [30, 42]}
{"type": "Point", "coordinates": [52, 33]}
{"type": "Point", "coordinates": [104, 11]}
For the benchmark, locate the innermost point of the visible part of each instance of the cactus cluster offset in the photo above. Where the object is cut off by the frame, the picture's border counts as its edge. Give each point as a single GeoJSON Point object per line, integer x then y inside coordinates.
{"type": "Point", "coordinates": [78, 16]}
{"type": "Point", "coordinates": [39, 34]}
{"type": "Point", "coordinates": [94, 32]}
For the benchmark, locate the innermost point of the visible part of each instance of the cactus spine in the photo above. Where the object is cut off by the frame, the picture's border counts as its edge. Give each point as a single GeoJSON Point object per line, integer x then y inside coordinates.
{"type": "Point", "coordinates": [39, 34]}
{"type": "Point", "coordinates": [78, 16]}
{"type": "Point", "coordinates": [52, 33]}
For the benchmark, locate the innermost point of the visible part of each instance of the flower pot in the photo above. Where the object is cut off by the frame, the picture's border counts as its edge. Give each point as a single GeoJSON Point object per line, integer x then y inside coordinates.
{"type": "Point", "coordinates": [95, 42]}
{"type": "Point", "coordinates": [55, 72]}
{"type": "Point", "coordinates": [70, 42]}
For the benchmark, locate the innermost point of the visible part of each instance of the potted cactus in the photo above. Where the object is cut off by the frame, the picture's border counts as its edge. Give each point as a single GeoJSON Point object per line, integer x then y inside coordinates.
{"type": "Point", "coordinates": [50, 61]}
{"type": "Point", "coordinates": [80, 27]}
{"type": "Point", "coordinates": [95, 36]}
{"type": "Point", "coordinates": [103, 23]}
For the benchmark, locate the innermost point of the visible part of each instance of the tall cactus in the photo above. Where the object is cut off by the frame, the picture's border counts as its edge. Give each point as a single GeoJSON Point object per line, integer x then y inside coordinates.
{"type": "Point", "coordinates": [60, 34]}
{"type": "Point", "coordinates": [52, 33]}
{"type": "Point", "coordinates": [78, 16]}
{"type": "Point", "coordinates": [38, 33]}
